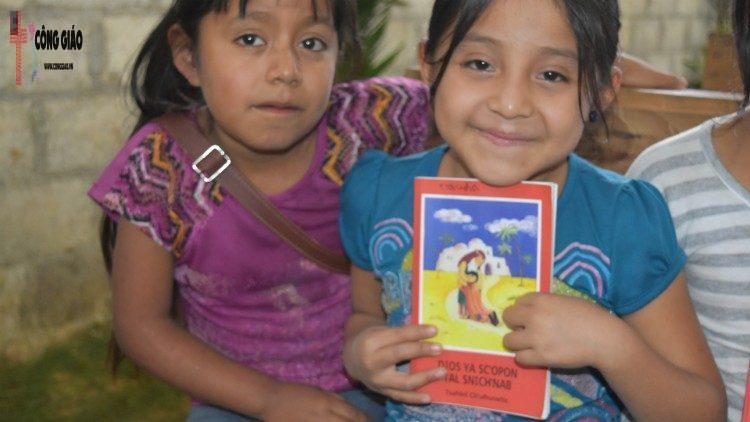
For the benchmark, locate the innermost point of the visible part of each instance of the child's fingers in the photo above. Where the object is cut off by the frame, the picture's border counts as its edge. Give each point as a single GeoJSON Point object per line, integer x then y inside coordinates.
{"type": "Point", "coordinates": [517, 340]}
{"type": "Point", "coordinates": [530, 357]}
{"type": "Point", "coordinates": [407, 382]}
{"type": "Point", "coordinates": [401, 352]}
{"type": "Point", "coordinates": [408, 397]}
{"type": "Point", "coordinates": [403, 334]}
{"type": "Point", "coordinates": [516, 316]}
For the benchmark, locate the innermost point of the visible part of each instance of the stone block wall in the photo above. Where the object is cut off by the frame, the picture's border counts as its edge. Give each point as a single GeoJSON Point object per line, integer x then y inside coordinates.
{"type": "Point", "coordinates": [56, 135]}
{"type": "Point", "coordinates": [671, 34]}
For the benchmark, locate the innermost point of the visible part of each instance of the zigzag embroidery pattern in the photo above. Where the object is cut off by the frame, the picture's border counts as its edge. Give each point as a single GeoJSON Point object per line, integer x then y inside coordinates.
{"type": "Point", "coordinates": [390, 115]}
{"type": "Point", "coordinates": [157, 194]}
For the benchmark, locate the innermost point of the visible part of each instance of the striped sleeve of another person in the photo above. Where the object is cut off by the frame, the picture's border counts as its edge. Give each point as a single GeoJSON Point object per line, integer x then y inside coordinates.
{"type": "Point", "coordinates": [711, 213]}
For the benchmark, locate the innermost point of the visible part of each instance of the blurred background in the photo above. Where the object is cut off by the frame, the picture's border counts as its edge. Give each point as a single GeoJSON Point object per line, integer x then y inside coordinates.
{"type": "Point", "coordinates": [60, 127]}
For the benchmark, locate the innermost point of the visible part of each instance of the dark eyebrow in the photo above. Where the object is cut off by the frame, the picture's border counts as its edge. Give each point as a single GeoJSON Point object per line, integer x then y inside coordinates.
{"type": "Point", "coordinates": [551, 51]}
{"type": "Point", "coordinates": [563, 52]}
{"type": "Point", "coordinates": [258, 16]}
{"type": "Point", "coordinates": [481, 39]}
{"type": "Point", "coordinates": [317, 18]}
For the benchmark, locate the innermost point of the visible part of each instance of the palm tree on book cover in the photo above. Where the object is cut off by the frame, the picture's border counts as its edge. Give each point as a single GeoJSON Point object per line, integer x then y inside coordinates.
{"type": "Point", "coordinates": [509, 233]}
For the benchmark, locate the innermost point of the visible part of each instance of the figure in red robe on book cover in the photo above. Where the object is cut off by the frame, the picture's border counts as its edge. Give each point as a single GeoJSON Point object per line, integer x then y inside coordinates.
{"type": "Point", "coordinates": [470, 304]}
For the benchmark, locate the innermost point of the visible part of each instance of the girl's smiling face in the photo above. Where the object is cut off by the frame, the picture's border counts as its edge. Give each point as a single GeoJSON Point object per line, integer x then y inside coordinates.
{"type": "Point", "coordinates": [508, 103]}
{"type": "Point", "coordinates": [267, 76]}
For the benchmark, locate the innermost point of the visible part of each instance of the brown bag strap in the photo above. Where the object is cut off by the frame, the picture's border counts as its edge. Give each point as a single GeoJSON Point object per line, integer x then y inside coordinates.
{"type": "Point", "coordinates": [211, 162]}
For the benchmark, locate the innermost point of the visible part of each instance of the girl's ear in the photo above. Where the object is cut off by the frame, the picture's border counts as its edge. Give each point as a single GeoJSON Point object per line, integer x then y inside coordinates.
{"type": "Point", "coordinates": [609, 93]}
{"type": "Point", "coordinates": [425, 68]}
{"type": "Point", "coordinates": [183, 54]}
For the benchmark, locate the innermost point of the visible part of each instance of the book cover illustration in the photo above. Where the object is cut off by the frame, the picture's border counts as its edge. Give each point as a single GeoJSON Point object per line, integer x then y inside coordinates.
{"type": "Point", "coordinates": [477, 249]}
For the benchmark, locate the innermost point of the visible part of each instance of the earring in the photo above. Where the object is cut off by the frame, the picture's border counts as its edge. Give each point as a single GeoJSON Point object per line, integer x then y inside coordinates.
{"type": "Point", "coordinates": [593, 117]}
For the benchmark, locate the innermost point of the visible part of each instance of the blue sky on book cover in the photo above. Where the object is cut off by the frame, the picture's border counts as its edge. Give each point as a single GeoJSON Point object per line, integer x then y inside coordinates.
{"type": "Point", "coordinates": [508, 227]}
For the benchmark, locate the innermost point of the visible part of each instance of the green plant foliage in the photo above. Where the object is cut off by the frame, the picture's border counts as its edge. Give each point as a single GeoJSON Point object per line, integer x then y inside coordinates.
{"type": "Point", "coordinates": [373, 17]}
{"type": "Point", "coordinates": [722, 10]}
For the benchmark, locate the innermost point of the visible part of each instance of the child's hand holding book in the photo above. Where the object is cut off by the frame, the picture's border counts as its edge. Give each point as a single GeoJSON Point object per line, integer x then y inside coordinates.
{"type": "Point", "coordinates": [559, 331]}
{"type": "Point", "coordinates": [371, 357]}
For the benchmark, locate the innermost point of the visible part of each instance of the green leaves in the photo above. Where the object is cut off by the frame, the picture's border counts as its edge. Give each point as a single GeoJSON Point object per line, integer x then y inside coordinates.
{"type": "Point", "coordinates": [504, 249]}
{"type": "Point", "coordinates": [723, 14]}
{"type": "Point", "coordinates": [373, 17]}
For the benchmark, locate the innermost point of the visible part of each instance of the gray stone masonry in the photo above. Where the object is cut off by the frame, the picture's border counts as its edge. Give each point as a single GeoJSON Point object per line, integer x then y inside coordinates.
{"type": "Point", "coordinates": [56, 135]}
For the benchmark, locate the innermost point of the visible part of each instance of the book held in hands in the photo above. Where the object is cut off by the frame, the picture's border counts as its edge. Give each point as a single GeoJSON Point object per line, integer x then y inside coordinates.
{"type": "Point", "coordinates": [478, 248]}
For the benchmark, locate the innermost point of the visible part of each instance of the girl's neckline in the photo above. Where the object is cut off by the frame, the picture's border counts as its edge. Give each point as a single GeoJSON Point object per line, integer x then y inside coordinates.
{"type": "Point", "coordinates": [709, 151]}
{"type": "Point", "coordinates": [315, 164]}
{"type": "Point", "coordinates": [563, 192]}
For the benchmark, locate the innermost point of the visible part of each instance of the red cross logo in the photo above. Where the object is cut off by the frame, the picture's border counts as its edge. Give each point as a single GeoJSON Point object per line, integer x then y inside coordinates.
{"type": "Point", "coordinates": [18, 36]}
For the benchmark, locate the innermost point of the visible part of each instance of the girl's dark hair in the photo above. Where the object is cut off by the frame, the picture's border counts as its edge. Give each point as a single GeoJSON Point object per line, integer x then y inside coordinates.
{"type": "Point", "coordinates": [742, 41]}
{"type": "Point", "coordinates": [157, 87]}
{"type": "Point", "coordinates": [595, 23]}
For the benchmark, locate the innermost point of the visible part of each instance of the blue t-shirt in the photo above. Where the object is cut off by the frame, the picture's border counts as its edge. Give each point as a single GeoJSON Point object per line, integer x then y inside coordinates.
{"type": "Point", "coordinates": [614, 245]}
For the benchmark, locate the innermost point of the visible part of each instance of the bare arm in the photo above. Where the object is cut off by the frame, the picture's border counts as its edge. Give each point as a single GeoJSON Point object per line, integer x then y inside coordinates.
{"type": "Point", "coordinates": [665, 341]}
{"type": "Point", "coordinates": [142, 297]}
{"type": "Point", "coordinates": [367, 310]}
{"type": "Point", "coordinates": [637, 73]}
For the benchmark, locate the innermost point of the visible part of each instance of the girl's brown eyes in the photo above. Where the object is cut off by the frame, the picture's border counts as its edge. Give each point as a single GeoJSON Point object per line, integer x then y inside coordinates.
{"type": "Point", "coordinates": [253, 40]}
{"type": "Point", "coordinates": [314, 44]}
{"type": "Point", "coordinates": [552, 76]}
{"type": "Point", "coordinates": [480, 65]}
{"type": "Point", "coordinates": [485, 66]}
{"type": "Point", "coordinates": [250, 40]}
